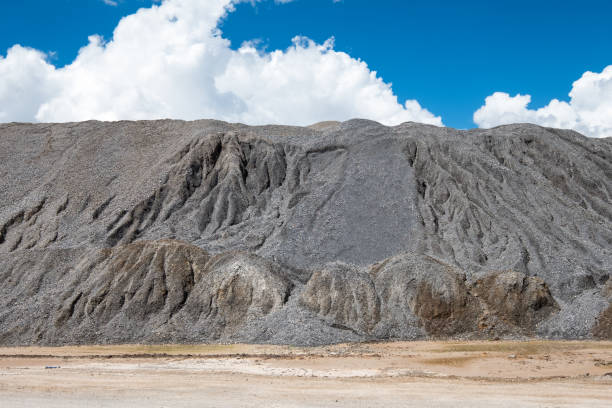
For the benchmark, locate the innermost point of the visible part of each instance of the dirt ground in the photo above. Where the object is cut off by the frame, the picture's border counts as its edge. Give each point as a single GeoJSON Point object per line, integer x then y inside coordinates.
{"type": "Point", "coordinates": [399, 374]}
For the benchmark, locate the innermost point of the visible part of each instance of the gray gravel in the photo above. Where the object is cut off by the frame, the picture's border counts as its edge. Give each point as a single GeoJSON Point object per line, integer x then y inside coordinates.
{"type": "Point", "coordinates": [345, 231]}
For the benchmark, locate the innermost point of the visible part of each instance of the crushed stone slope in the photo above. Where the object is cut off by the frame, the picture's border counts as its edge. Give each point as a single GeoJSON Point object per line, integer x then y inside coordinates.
{"type": "Point", "coordinates": [171, 231]}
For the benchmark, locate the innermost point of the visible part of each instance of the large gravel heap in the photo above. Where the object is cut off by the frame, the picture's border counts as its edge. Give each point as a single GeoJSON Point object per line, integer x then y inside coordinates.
{"type": "Point", "coordinates": [205, 231]}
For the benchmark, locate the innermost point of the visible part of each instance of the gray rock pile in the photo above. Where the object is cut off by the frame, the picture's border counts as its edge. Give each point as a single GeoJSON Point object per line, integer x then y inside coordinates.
{"type": "Point", "coordinates": [171, 231]}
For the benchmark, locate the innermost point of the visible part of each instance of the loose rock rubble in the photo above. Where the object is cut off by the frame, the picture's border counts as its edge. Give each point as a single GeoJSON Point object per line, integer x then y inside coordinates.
{"type": "Point", "coordinates": [171, 231]}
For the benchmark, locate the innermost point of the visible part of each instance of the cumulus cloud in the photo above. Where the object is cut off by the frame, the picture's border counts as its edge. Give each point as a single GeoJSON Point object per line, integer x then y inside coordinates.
{"type": "Point", "coordinates": [310, 82]}
{"type": "Point", "coordinates": [171, 61]}
{"type": "Point", "coordinates": [110, 2]}
{"type": "Point", "coordinates": [27, 80]}
{"type": "Point", "coordinates": [588, 111]}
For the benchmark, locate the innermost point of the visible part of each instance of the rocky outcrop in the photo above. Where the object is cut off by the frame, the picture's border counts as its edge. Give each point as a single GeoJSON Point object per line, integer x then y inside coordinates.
{"type": "Point", "coordinates": [603, 327]}
{"type": "Point", "coordinates": [149, 291]}
{"type": "Point", "coordinates": [137, 286]}
{"type": "Point", "coordinates": [424, 292]}
{"type": "Point", "coordinates": [513, 302]}
{"type": "Point", "coordinates": [237, 288]}
{"type": "Point", "coordinates": [344, 296]}
{"type": "Point", "coordinates": [171, 231]}
{"type": "Point", "coordinates": [429, 297]}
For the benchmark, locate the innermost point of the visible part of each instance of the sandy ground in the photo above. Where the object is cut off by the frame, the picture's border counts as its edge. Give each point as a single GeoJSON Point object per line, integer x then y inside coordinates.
{"type": "Point", "coordinates": [401, 374]}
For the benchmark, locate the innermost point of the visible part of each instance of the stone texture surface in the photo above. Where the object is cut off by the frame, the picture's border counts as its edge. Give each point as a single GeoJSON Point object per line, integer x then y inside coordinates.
{"type": "Point", "coordinates": [344, 297]}
{"type": "Point", "coordinates": [515, 301]}
{"type": "Point", "coordinates": [171, 231]}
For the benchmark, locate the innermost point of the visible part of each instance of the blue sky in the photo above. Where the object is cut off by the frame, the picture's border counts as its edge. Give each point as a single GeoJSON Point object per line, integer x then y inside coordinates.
{"type": "Point", "coordinates": [447, 55]}
{"type": "Point", "coordinates": [450, 55]}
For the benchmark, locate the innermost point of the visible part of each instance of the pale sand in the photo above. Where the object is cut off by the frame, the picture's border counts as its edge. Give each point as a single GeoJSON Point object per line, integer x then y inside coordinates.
{"type": "Point", "coordinates": [402, 374]}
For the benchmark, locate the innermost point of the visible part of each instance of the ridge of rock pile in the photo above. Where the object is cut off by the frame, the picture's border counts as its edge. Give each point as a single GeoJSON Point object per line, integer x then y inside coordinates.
{"type": "Point", "coordinates": [171, 231]}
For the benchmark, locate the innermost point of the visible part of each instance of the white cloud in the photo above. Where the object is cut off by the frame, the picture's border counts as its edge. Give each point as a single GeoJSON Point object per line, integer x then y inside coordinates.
{"type": "Point", "coordinates": [588, 111]}
{"type": "Point", "coordinates": [110, 2]}
{"type": "Point", "coordinates": [170, 60]}
{"type": "Point", "coordinates": [310, 82]}
{"type": "Point", "coordinates": [26, 82]}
